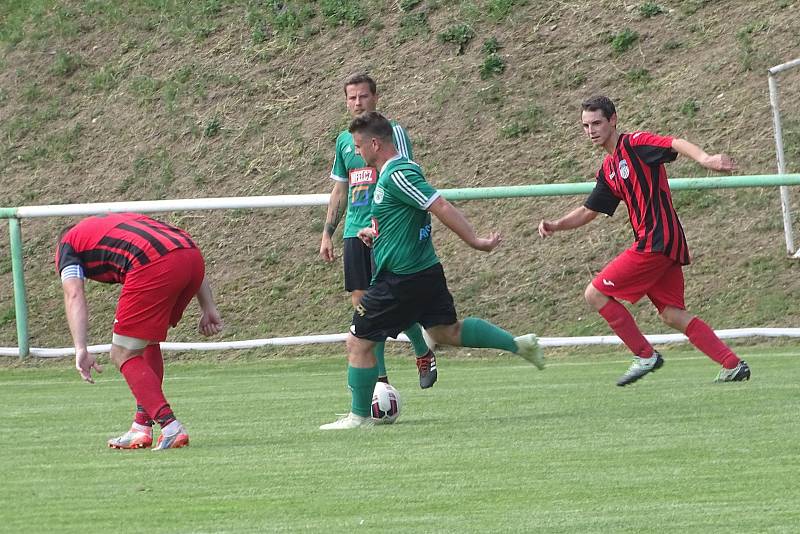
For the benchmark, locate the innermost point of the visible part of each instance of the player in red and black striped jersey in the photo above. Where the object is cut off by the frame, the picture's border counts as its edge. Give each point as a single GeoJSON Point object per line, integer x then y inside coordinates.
{"type": "Point", "coordinates": [161, 270]}
{"type": "Point", "coordinates": [633, 172]}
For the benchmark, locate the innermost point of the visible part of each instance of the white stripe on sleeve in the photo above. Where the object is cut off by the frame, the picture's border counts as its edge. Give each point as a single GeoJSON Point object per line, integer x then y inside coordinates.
{"type": "Point", "coordinates": [72, 271]}
{"type": "Point", "coordinates": [400, 140]}
{"type": "Point", "coordinates": [408, 188]}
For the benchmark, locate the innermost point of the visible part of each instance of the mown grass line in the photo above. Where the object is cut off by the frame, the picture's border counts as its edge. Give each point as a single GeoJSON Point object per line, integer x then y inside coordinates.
{"type": "Point", "coordinates": [495, 446]}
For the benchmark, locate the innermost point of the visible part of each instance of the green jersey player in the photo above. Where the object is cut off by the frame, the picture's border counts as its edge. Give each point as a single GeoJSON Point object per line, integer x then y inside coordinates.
{"type": "Point", "coordinates": [408, 283]}
{"type": "Point", "coordinates": [354, 186]}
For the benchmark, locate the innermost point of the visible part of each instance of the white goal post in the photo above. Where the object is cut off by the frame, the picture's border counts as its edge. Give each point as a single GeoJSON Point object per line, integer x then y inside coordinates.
{"type": "Point", "coordinates": [774, 100]}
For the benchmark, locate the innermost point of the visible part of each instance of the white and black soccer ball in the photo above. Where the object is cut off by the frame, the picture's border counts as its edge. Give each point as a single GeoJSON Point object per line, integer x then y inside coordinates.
{"type": "Point", "coordinates": [385, 404]}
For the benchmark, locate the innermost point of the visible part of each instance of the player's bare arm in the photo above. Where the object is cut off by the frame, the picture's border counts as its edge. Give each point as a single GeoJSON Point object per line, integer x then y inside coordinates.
{"type": "Point", "coordinates": [210, 319]}
{"type": "Point", "coordinates": [574, 219]}
{"type": "Point", "coordinates": [458, 223]}
{"type": "Point", "coordinates": [78, 319]}
{"type": "Point", "coordinates": [336, 208]}
{"type": "Point", "coordinates": [716, 162]}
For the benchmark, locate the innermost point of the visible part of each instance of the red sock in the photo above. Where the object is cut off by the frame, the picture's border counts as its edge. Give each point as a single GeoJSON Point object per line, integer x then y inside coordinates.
{"type": "Point", "coordinates": [141, 417]}
{"type": "Point", "coordinates": [702, 337]}
{"type": "Point", "coordinates": [621, 322]}
{"type": "Point", "coordinates": [145, 386]}
{"type": "Point", "coordinates": [152, 355]}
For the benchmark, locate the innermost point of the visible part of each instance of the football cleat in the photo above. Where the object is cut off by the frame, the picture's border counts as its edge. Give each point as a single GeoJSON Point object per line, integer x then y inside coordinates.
{"type": "Point", "coordinates": [640, 367]}
{"type": "Point", "coordinates": [528, 348]}
{"type": "Point", "coordinates": [738, 374]}
{"type": "Point", "coordinates": [426, 366]}
{"type": "Point", "coordinates": [132, 439]}
{"type": "Point", "coordinates": [348, 422]}
{"type": "Point", "coordinates": [173, 441]}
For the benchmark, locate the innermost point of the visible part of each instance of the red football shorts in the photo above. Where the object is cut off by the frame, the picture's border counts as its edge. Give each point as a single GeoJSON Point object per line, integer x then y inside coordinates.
{"type": "Point", "coordinates": [632, 275]}
{"type": "Point", "coordinates": [154, 296]}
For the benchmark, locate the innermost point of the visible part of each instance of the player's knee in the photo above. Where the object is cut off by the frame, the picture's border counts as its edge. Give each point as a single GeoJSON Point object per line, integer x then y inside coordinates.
{"type": "Point", "coordinates": [119, 354]}
{"type": "Point", "coordinates": [673, 317]}
{"type": "Point", "coordinates": [594, 298]}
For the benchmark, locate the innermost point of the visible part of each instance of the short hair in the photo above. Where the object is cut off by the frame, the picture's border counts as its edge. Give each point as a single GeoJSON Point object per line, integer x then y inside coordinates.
{"type": "Point", "coordinates": [603, 103]}
{"type": "Point", "coordinates": [372, 124]}
{"type": "Point", "coordinates": [361, 77]}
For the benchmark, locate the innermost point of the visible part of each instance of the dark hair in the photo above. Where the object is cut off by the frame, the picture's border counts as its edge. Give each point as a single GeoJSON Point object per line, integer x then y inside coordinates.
{"type": "Point", "coordinates": [361, 77]}
{"type": "Point", "coordinates": [603, 103]}
{"type": "Point", "coordinates": [372, 124]}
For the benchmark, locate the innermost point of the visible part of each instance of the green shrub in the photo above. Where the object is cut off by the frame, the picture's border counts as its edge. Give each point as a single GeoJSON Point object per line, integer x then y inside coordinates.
{"type": "Point", "coordinates": [491, 66]}
{"type": "Point", "coordinates": [623, 40]}
{"type": "Point", "coordinates": [65, 64]}
{"type": "Point", "coordinates": [341, 11]}
{"type": "Point", "coordinates": [651, 9]}
{"type": "Point", "coordinates": [459, 35]}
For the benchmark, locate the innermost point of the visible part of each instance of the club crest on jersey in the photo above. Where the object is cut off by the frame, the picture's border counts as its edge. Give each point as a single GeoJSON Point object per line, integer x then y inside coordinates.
{"type": "Point", "coordinates": [624, 171]}
{"type": "Point", "coordinates": [378, 195]}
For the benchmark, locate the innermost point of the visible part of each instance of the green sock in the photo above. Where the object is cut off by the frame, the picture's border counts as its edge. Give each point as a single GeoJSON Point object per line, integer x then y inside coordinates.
{"type": "Point", "coordinates": [361, 382]}
{"type": "Point", "coordinates": [414, 333]}
{"type": "Point", "coordinates": [378, 352]}
{"type": "Point", "coordinates": [478, 333]}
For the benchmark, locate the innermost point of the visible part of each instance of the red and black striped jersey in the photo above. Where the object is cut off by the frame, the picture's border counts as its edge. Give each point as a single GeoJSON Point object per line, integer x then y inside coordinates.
{"type": "Point", "coordinates": [634, 173]}
{"type": "Point", "coordinates": [108, 247]}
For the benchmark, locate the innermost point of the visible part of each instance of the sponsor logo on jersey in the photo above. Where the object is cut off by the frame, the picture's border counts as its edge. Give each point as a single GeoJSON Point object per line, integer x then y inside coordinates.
{"type": "Point", "coordinates": [624, 171]}
{"type": "Point", "coordinates": [359, 195]}
{"type": "Point", "coordinates": [378, 195]}
{"type": "Point", "coordinates": [348, 149]}
{"type": "Point", "coordinates": [608, 283]}
{"type": "Point", "coordinates": [363, 175]}
{"type": "Point", "coordinates": [425, 232]}
{"type": "Point", "coordinates": [361, 311]}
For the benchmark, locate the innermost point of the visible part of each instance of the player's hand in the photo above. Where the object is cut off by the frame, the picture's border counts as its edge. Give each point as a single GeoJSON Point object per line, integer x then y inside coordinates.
{"type": "Point", "coordinates": [84, 363]}
{"type": "Point", "coordinates": [546, 228]}
{"type": "Point", "coordinates": [488, 244]}
{"type": "Point", "coordinates": [721, 162]}
{"type": "Point", "coordinates": [366, 235]}
{"type": "Point", "coordinates": [326, 249]}
{"type": "Point", "coordinates": [210, 323]}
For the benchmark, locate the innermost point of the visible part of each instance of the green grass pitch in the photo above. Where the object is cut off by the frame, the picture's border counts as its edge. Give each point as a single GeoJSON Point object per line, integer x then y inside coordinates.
{"type": "Point", "coordinates": [495, 446]}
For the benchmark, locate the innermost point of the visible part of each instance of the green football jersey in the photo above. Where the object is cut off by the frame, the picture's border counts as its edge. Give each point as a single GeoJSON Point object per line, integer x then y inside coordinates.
{"type": "Point", "coordinates": [401, 220]}
{"type": "Point", "coordinates": [349, 167]}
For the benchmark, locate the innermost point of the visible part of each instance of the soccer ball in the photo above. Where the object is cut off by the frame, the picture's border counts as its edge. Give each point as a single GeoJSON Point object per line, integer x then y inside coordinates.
{"type": "Point", "coordinates": [385, 404]}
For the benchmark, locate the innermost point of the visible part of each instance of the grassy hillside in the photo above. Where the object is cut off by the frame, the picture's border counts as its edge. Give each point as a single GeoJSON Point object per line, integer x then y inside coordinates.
{"type": "Point", "coordinates": [148, 99]}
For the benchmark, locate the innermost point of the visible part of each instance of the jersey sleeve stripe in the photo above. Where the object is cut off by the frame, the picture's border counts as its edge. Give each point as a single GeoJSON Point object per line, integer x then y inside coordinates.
{"type": "Point", "coordinates": [338, 178]}
{"type": "Point", "coordinates": [400, 140]}
{"type": "Point", "coordinates": [432, 199]}
{"type": "Point", "coordinates": [406, 187]}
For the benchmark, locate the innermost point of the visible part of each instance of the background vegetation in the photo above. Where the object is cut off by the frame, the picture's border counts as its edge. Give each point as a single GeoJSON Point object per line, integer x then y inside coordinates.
{"type": "Point", "coordinates": [148, 99]}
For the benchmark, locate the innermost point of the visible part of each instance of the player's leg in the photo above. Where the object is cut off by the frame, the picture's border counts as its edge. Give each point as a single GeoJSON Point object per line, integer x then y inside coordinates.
{"type": "Point", "coordinates": [152, 355]}
{"type": "Point", "coordinates": [153, 297]}
{"type": "Point", "coordinates": [440, 319]}
{"type": "Point", "coordinates": [357, 259]}
{"type": "Point", "coordinates": [362, 375]}
{"type": "Point", "coordinates": [380, 314]}
{"type": "Point", "coordinates": [426, 359]}
{"type": "Point", "coordinates": [668, 297]}
{"type": "Point", "coordinates": [628, 277]}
